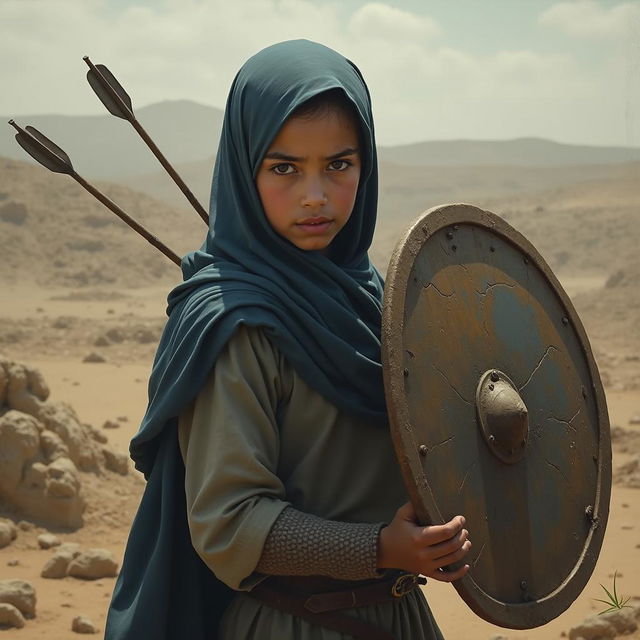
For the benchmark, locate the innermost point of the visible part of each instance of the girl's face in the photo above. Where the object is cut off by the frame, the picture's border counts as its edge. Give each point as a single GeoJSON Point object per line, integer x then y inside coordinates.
{"type": "Point", "coordinates": [308, 178]}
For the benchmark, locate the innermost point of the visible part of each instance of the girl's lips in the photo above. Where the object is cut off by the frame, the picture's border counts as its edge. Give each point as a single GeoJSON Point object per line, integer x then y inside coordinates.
{"type": "Point", "coordinates": [314, 225]}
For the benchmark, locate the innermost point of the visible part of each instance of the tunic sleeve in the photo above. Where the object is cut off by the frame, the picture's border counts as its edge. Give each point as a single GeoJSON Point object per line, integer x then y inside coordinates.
{"type": "Point", "coordinates": [229, 442]}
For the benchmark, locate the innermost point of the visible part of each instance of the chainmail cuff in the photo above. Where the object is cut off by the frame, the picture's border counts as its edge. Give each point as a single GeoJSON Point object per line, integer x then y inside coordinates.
{"type": "Point", "coordinates": [301, 544]}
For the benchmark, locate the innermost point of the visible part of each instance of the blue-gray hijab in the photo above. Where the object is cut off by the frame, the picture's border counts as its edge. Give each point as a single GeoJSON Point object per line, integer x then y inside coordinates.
{"type": "Point", "coordinates": [323, 312]}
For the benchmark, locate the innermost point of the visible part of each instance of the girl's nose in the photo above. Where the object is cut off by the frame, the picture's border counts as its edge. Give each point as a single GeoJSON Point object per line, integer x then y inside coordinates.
{"type": "Point", "coordinates": [314, 195]}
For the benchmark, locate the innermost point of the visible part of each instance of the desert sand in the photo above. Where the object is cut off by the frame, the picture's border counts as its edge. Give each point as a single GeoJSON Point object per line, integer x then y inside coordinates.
{"type": "Point", "coordinates": [64, 297]}
{"type": "Point", "coordinates": [115, 390]}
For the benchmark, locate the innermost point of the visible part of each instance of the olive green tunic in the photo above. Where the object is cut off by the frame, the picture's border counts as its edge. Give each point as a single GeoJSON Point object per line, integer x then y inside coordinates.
{"type": "Point", "coordinates": [258, 439]}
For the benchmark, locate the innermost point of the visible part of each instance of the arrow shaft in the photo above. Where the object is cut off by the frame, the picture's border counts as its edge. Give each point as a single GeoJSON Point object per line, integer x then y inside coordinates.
{"type": "Point", "coordinates": [170, 170]}
{"type": "Point", "coordinates": [126, 218]}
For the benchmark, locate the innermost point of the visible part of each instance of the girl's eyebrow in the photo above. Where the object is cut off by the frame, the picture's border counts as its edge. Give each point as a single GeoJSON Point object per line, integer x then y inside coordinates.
{"type": "Point", "coordinates": [277, 155]}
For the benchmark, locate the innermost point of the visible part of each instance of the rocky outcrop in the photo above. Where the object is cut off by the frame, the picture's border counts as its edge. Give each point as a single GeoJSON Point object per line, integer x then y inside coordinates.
{"type": "Point", "coordinates": [44, 447]}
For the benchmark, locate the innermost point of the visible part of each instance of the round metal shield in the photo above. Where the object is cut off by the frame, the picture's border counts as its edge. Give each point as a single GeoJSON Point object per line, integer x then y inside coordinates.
{"type": "Point", "coordinates": [497, 411]}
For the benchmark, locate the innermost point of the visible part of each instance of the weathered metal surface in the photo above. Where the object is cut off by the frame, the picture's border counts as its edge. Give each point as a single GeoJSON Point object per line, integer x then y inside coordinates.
{"type": "Point", "coordinates": [467, 297]}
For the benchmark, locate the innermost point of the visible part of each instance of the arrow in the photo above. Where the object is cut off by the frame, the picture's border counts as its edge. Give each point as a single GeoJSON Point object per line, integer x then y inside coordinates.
{"type": "Point", "coordinates": [117, 101]}
{"type": "Point", "coordinates": [50, 155]}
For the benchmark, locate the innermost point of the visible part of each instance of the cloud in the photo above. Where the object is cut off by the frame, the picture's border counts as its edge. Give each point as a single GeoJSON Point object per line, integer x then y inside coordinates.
{"type": "Point", "coordinates": [588, 19]}
{"type": "Point", "coordinates": [424, 83]}
{"type": "Point", "coordinates": [379, 21]}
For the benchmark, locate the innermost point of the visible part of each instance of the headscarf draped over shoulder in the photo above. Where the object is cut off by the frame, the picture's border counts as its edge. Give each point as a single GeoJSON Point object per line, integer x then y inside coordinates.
{"type": "Point", "coordinates": [322, 312]}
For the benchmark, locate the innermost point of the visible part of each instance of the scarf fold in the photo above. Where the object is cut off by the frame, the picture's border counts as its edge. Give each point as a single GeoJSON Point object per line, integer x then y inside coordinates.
{"type": "Point", "coordinates": [322, 311]}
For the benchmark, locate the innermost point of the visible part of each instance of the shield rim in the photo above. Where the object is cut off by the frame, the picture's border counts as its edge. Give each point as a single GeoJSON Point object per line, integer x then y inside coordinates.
{"type": "Point", "coordinates": [508, 615]}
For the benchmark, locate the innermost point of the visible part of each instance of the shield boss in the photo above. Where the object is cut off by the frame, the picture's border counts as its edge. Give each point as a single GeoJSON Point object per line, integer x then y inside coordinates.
{"type": "Point", "coordinates": [497, 411]}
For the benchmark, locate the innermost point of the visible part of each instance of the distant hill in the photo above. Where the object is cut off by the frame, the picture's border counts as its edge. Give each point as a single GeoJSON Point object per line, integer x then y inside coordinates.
{"type": "Point", "coordinates": [108, 148]}
{"type": "Point", "coordinates": [54, 234]}
{"type": "Point", "coordinates": [521, 151]}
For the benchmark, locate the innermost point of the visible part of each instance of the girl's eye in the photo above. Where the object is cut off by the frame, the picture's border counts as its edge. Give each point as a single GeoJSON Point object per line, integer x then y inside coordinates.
{"type": "Point", "coordinates": [283, 169]}
{"type": "Point", "coordinates": [339, 165]}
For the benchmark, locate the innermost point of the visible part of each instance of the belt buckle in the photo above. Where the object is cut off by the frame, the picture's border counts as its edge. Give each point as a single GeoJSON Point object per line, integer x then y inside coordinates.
{"type": "Point", "coordinates": [404, 584]}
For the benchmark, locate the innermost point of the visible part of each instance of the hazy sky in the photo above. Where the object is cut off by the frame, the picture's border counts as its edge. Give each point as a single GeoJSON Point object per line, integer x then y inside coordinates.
{"type": "Point", "coordinates": [437, 69]}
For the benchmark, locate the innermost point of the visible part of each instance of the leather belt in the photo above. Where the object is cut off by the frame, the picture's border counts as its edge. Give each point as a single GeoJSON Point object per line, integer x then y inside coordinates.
{"type": "Point", "coordinates": [319, 600]}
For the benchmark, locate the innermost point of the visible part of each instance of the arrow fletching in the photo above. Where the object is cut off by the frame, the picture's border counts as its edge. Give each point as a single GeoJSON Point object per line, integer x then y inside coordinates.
{"type": "Point", "coordinates": [51, 156]}
{"type": "Point", "coordinates": [118, 103]}
{"type": "Point", "coordinates": [109, 90]}
{"type": "Point", "coordinates": [41, 149]}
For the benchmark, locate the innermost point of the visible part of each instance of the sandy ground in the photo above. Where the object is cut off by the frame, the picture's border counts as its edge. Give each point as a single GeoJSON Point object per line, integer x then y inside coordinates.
{"type": "Point", "coordinates": [117, 389]}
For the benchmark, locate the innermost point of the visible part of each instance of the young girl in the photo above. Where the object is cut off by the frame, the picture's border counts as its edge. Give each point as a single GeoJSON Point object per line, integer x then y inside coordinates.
{"type": "Point", "coordinates": [273, 501]}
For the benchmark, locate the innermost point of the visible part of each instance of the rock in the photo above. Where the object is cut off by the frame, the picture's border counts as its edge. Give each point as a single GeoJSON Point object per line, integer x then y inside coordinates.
{"type": "Point", "coordinates": [635, 419]}
{"type": "Point", "coordinates": [56, 567]}
{"type": "Point", "coordinates": [20, 594]}
{"type": "Point", "coordinates": [62, 322]}
{"type": "Point", "coordinates": [8, 532]}
{"type": "Point", "coordinates": [111, 424]}
{"type": "Point", "coordinates": [25, 525]}
{"type": "Point", "coordinates": [94, 357]}
{"type": "Point", "coordinates": [58, 564]}
{"type": "Point", "coordinates": [102, 341]}
{"type": "Point", "coordinates": [10, 616]}
{"type": "Point", "coordinates": [43, 447]}
{"type": "Point", "coordinates": [93, 564]}
{"type": "Point", "coordinates": [607, 625]}
{"type": "Point", "coordinates": [115, 335]}
{"type": "Point", "coordinates": [82, 624]}
{"type": "Point", "coordinates": [48, 540]}
{"type": "Point", "coordinates": [46, 492]}
{"type": "Point", "coordinates": [52, 446]}
{"type": "Point", "coordinates": [96, 434]}
{"type": "Point", "coordinates": [114, 461]}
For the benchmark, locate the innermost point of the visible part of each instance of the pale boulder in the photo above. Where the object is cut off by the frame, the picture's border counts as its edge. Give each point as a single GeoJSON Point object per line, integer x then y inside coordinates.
{"type": "Point", "coordinates": [10, 616]}
{"type": "Point", "coordinates": [93, 564]}
{"type": "Point", "coordinates": [20, 594]}
{"type": "Point", "coordinates": [48, 540]}
{"type": "Point", "coordinates": [82, 624]}
{"type": "Point", "coordinates": [58, 564]}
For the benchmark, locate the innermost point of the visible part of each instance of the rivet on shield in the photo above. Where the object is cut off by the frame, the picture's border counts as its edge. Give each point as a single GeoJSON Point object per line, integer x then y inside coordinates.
{"type": "Point", "coordinates": [565, 320]}
{"type": "Point", "coordinates": [423, 450]}
{"type": "Point", "coordinates": [503, 416]}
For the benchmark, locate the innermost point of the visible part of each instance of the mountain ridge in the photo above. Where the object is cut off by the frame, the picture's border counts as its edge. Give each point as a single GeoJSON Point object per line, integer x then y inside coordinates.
{"type": "Point", "coordinates": [105, 147]}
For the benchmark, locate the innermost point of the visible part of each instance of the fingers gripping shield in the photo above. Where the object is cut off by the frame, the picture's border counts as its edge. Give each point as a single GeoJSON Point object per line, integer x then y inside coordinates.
{"type": "Point", "coordinates": [497, 411]}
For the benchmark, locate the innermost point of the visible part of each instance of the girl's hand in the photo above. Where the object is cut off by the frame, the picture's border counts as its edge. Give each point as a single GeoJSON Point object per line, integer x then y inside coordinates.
{"type": "Point", "coordinates": [404, 544]}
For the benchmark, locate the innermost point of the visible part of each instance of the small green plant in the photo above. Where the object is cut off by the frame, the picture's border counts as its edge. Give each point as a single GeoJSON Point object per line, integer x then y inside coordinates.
{"type": "Point", "coordinates": [614, 602]}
